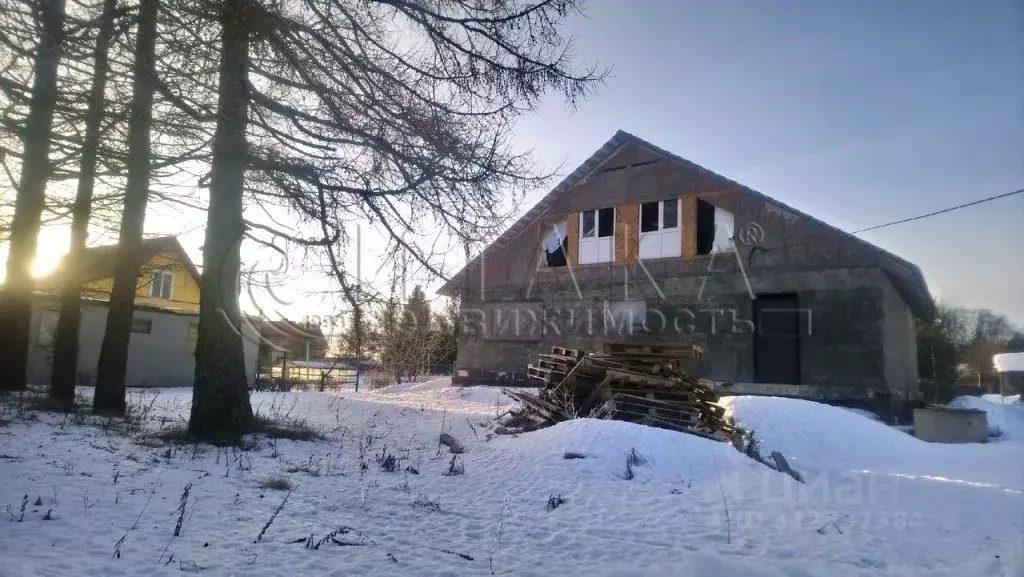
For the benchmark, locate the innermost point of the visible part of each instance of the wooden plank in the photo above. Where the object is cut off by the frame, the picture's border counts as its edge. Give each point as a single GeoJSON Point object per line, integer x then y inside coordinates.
{"type": "Point", "coordinates": [668, 418]}
{"type": "Point", "coordinates": [554, 365]}
{"type": "Point", "coordinates": [558, 358]}
{"type": "Point", "coordinates": [665, 394]}
{"type": "Point", "coordinates": [682, 351]}
{"type": "Point", "coordinates": [637, 355]}
{"type": "Point", "coordinates": [668, 404]}
{"type": "Point", "coordinates": [541, 380]}
{"type": "Point", "coordinates": [653, 381]}
{"type": "Point", "coordinates": [542, 370]}
{"type": "Point", "coordinates": [661, 412]}
{"type": "Point", "coordinates": [782, 465]}
{"type": "Point", "coordinates": [716, 410]}
{"type": "Point", "coordinates": [575, 354]}
{"type": "Point", "coordinates": [547, 376]}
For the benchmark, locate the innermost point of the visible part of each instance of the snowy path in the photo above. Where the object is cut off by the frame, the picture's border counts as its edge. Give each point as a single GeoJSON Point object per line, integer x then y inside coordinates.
{"type": "Point", "coordinates": [873, 506]}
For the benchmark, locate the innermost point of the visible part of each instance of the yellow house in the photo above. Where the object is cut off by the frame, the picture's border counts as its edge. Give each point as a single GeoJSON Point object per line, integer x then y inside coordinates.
{"type": "Point", "coordinates": [167, 278]}
{"type": "Point", "coordinates": [165, 322]}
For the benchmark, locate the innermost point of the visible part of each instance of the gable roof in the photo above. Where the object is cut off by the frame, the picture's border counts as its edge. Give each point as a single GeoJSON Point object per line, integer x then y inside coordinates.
{"type": "Point", "coordinates": [280, 333]}
{"type": "Point", "coordinates": [100, 262]}
{"type": "Point", "coordinates": [905, 275]}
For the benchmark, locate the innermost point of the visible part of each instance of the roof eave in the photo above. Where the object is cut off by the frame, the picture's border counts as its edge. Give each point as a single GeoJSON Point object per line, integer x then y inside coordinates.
{"type": "Point", "coordinates": [917, 295]}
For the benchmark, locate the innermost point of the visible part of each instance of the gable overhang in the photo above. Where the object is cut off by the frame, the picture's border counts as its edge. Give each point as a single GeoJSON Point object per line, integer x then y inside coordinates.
{"type": "Point", "coordinates": [174, 245]}
{"type": "Point", "coordinates": [577, 176]}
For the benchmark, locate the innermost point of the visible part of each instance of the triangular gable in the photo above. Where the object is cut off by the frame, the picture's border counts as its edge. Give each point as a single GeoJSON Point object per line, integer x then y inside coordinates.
{"type": "Point", "coordinates": [99, 262]}
{"type": "Point", "coordinates": [906, 276]}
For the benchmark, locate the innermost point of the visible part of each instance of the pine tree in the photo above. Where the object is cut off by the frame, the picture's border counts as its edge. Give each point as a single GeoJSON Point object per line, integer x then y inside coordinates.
{"type": "Point", "coordinates": [113, 362]}
{"type": "Point", "coordinates": [65, 350]}
{"type": "Point", "coordinates": [416, 335]}
{"type": "Point", "coordinates": [220, 393]}
{"type": "Point", "coordinates": [444, 341]}
{"type": "Point", "coordinates": [389, 341]}
{"type": "Point", "coordinates": [16, 294]}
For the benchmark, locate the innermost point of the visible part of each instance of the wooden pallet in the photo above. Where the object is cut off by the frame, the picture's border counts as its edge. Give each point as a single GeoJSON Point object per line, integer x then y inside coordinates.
{"type": "Point", "coordinates": [546, 376]}
{"type": "Point", "coordinates": [574, 353]}
{"type": "Point", "coordinates": [680, 351]}
{"type": "Point", "coordinates": [630, 382]}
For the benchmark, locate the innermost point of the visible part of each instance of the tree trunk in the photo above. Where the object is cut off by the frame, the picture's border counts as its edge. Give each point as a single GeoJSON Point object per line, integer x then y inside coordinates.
{"type": "Point", "coordinates": [110, 372]}
{"type": "Point", "coordinates": [65, 349]}
{"type": "Point", "coordinates": [16, 295]}
{"type": "Point", "coordinates": [220, 395]}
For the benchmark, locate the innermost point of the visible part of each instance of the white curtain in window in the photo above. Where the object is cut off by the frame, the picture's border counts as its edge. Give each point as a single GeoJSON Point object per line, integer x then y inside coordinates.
{"type": "Point", "coordinates": [554, 236]}
{"type": "Point", "coordinates": [723, 231]}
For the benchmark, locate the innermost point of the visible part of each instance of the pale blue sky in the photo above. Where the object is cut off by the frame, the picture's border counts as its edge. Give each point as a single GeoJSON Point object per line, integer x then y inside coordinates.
{"type": "Point", "coordinates": [859, 112]}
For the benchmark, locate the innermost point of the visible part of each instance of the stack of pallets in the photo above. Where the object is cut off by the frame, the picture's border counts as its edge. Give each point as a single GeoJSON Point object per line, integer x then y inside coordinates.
{"type": "Point", "coordinates": [628, 382]}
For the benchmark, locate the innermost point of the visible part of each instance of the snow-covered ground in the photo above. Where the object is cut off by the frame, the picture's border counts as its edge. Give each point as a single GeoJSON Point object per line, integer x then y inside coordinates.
{"type": "Point", "coordinates": [877, 501]}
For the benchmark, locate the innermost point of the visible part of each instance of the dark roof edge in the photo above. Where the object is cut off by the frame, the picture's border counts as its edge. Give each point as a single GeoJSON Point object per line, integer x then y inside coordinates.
{"type": "Point", "coordinates": [595, 159]}
{"type": "Point", "coordinates": [181, 249]}
{"type": "Point", "coordinates": [621, 138]}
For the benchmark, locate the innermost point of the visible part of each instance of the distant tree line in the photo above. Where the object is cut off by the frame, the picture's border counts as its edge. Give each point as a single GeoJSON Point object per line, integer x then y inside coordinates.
{"type": "Point", "coordinates": [404, 339]}
{"type": "Point", "coordinates": [959, 343]}
{"type": "Point", "coordinates": [407, 339]}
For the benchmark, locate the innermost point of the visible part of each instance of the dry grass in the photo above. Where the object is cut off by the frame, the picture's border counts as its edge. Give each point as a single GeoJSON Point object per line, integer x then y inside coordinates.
{"type": "Point", "coordinates": [291, 429]}
{"type": "Point", "coordinates": [287, 428]}
{"type": "Point", "coordinates": [379, 380]}
{"type": "Point", "coordinates": [276, 484]}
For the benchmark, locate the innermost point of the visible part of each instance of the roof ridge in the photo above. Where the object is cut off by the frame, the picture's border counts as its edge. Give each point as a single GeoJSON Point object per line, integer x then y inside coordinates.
{"type": "Point", "coordinates": [617, 141]}
{"type": "Point", "coordinates": [657, 149]}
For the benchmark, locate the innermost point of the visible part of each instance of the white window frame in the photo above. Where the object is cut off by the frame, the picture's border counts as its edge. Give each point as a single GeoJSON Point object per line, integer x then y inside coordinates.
{"type": "Point", "coordinates": [156, 289]}
{"type": "Point", "coordinates": [663, 242]}
{"type": "Point", "coordinates": [595, 248]}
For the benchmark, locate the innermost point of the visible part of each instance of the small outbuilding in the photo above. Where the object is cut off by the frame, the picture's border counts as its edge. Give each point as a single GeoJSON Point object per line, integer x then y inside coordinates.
{"type": "Point", "coordinates": [1010, 367]}
{"type": "Point", "coordinates": [937, 424]}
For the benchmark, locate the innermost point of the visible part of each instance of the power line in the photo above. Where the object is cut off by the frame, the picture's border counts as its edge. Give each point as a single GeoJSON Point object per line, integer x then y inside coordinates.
{"type": "Point", "coordinates": [945, 210]}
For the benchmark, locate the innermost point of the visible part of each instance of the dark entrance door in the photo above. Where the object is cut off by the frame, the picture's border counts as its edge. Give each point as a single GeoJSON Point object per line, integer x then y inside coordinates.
{"type": "Point", "coordinates": [777, 339]}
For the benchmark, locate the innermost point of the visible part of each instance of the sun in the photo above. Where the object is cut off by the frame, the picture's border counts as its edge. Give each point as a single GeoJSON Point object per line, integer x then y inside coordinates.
{"type": "Point", "coordinates": [52, 246]}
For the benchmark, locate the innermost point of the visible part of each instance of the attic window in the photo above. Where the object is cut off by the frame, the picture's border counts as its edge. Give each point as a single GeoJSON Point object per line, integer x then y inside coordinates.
{"type": "Point", "coordinates": [601, 222]}
{"type": "Point", "coordinates": [714, 228]}
{"type": "Point", "coordinates": [555, 244]}
{"type": "Point", "coordinates": [597, 236]}
{"type": "Point", "coordinates": [160, 283]}
{"type": "Point", "coordinates": [659, 229]}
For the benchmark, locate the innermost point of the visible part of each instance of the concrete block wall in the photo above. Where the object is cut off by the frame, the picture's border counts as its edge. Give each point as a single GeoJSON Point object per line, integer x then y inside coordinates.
{"type": "Point", "coordinates": [843, 354]}
{"type": "Point", "coordinates": [861, 337]}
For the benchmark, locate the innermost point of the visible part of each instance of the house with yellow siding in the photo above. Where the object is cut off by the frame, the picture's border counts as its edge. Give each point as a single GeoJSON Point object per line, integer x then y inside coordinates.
{"type": "Point", "coordinates": [165, 323]}
{"type": "Point", "coordinates": [167, 278]}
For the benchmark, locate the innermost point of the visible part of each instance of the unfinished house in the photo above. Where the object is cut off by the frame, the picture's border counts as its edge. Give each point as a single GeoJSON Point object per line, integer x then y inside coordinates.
{"type": "Point", "coordinates": [640, 245]}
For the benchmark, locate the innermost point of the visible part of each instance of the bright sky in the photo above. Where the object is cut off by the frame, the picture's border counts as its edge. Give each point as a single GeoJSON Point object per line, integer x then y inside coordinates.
{"type": "Point", "coordinates": [858, 112]}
